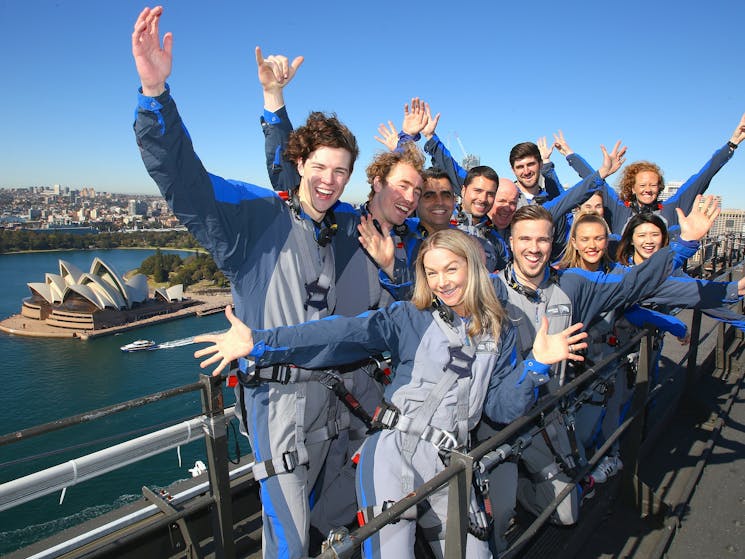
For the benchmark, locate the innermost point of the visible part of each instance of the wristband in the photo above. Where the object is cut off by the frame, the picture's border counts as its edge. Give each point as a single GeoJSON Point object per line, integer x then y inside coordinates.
{"type": "Point", "coordinates": [732, 145]}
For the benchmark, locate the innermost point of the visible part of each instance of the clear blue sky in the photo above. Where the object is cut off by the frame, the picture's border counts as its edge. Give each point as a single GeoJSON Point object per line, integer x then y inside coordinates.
{"type": "Point", "coordinates": [667, 81]}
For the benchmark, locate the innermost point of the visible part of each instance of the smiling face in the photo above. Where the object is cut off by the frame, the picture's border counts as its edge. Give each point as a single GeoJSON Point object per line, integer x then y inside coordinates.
{"type": "Point", "coordinates": [531, 248]}
{"type": "Point", "coordinates": [646, 240]}
{"type": "Point", "coordinates": [590, 241]}
{"type": "Point", "coordinates": [478, 196]}
{"type": "Point", "coordinates": [646, 187]}
{"type": "Point", "coordinates": [527, 171]}
{"type": "Point", "coordinates": [436, 204]}
{"type": "Point", "coordinates": [324, 174]}
{"type": "Point", "coordinates": [397, 195]}
{"type": "Point", "coordinates": [505, 204]}
{"type": "Point", "coordinates": [447, 277]}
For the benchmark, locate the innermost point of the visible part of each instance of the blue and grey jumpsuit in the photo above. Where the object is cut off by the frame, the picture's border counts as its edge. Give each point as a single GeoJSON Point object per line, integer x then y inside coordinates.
{"type": "Point", "coordinates": [438, 397]}
{"type": "Point", "coordinates": [279, 275]}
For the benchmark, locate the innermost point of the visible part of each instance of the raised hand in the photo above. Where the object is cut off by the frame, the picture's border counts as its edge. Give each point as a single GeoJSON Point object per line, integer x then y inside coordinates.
{"type": "Point", "coordinates": [739, 134]}
{"type": "Point", "coordinates": [553, 348]}
{"type": "Point", "coordinates": [612, 161]}
{"type": "Point", "coordinates": [377, 242]}
{"type": "Point", "coordinates": [429, 129]}
{"type": "Point", "coordinates": [153, 62]}
{"type": "Point", "coordinates": [236, 342]}
{"type": "Point", "coordinates": [415, 117]}
{"type": "Point", "coordinates": [545, 149]}
{"type": "Point", "coordinates": [275, 72]}
{"type": "Point", "coordinates": [561, 144]}
{"type": "Point", "coordinates": [388, 135]}
{"type": "Point", "coordinates": [696, 224]}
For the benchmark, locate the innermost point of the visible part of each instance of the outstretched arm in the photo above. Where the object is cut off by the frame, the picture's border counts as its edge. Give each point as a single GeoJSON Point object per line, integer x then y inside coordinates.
{"type": "Point", "coordinates": [699, 183]}
{"type": "Point", "coordinates": [153, 62]}
{"type": "Point", "coordinates": [274, 73]}
{"type": "Point", "coordinates": [585, 188]}
{"type": "Point", "coordinates": [317, 344]}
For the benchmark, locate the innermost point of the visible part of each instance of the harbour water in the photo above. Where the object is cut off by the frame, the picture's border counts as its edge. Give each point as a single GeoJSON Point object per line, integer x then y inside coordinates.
{"type": "Point", "coordinates": [48, 379]}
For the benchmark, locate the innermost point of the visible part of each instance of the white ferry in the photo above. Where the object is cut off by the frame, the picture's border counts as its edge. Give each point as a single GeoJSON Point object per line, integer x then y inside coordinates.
{"type": "Point", "coordinates": [139, 345]}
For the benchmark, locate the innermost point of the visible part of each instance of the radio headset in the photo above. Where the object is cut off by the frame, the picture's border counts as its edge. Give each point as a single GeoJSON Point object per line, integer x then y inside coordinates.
{"type": "Point", "coordinates": [325, 230]}
{"type": "Point", "coordinates": [532, 295]}
{"type": "Point", "coordinates": [445, 312]}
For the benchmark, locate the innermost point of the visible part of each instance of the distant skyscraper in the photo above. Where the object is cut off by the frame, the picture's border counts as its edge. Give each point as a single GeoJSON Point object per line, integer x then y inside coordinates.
{"type": "Point", "coordinates": [671, 188]}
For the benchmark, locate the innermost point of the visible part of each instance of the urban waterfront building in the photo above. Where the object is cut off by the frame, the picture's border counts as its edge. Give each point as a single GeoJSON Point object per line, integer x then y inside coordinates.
{"type": "Point", "coordinates": [99, 298]}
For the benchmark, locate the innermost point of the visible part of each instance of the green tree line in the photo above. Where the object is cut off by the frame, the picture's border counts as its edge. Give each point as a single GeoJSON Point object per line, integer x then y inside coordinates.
{"type": "Point", "coordinates": [20, 240]}
{"type": "Point", "coordinates": [173, 269]}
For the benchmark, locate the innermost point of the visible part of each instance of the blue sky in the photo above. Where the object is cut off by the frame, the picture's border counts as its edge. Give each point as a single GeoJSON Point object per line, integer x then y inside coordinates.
{"type": "Point", "coordinates": [669, 83]}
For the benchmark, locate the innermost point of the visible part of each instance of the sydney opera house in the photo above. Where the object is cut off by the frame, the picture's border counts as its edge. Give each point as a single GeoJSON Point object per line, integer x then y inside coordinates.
{"type": "Point", "coordinates": [99, 298]}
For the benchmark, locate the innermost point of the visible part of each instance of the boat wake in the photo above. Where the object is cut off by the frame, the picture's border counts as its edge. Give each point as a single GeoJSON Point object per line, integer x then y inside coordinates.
{"type": "Point", "coordinates": [183, 341]}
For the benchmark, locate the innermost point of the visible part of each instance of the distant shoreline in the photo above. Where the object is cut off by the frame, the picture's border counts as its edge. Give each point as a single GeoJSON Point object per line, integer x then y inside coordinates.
{"type": "Point", "coordinates": [195, 250]}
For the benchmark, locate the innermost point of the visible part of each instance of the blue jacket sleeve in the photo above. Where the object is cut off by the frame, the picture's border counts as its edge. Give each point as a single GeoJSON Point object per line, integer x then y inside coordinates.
{"type": "Point", "coordinates": [695, 185]}
{"type": "Point", "coordinates": [642, 317]}
{"type": "Point", "coordinates": [551, 182]}
{"type": "Point", "coordinates": [574, 196]}
{"type": "Point", "coordinates": [680, 290]}
{"type": "Point", "coordinates": [226, 217]}
{"type": "Point", "coordinates": [332, 341]}
{"type": "Point", "coordinates": [512, 386]}
{"type": "Point", "coordinates": [277, 127]}
{"type": "Point", "coordinates": [580, 165]}
{"type": "Point", "coordinates": [594, 293]}
{"type": "Point", "coordinates": [442, 159]}
{"type": "Point", "coordinates": [728, 316]}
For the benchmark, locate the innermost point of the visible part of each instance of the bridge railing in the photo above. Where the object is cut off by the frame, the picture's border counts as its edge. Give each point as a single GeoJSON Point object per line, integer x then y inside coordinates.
{"type": "Point", "coordinates": [456, 477]}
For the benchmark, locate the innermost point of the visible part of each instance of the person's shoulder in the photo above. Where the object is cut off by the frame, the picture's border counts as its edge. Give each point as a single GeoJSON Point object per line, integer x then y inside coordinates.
{"type": "Point", "coordinates": [345, 208]}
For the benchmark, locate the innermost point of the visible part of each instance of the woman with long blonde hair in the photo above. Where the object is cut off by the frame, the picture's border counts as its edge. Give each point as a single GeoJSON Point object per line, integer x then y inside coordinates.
{"type": "Point", "coordinates": [454, 357]}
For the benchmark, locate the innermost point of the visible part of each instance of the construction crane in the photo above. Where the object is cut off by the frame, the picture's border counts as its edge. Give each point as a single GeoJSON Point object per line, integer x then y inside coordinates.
{"type": "Point", "coordinates": [469, 159]}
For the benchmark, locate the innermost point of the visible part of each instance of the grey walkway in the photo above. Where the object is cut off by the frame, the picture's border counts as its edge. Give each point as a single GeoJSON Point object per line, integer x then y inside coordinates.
{"type": "Point", "coordinates": [703, 442]}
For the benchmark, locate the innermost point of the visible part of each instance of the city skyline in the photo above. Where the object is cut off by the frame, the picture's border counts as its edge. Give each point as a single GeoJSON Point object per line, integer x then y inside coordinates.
{"type": "Point", "coordinates": [663, 81]}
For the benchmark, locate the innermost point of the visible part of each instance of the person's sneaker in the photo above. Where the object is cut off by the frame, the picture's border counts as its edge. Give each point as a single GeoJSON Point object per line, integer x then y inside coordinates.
{"type": "Point", "coordinates": [587, 487]}
{"type": "Point", "coordinates": [607, 468]}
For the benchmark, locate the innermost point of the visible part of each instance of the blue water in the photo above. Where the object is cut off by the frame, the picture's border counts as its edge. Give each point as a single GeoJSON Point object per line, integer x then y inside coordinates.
{"type": "Point", "coordinates": [46, 379]}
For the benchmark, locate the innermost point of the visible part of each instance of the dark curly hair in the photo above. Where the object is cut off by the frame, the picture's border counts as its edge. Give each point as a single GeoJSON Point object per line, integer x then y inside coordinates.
{"type": "Point", "coordinates": [321, 130]}
{"type": "Point", "coordinates": [628, 177]}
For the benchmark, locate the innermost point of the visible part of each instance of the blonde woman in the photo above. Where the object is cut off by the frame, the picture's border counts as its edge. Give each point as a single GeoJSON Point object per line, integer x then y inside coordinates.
{"type": "Point", "coordinates": [453, 352]}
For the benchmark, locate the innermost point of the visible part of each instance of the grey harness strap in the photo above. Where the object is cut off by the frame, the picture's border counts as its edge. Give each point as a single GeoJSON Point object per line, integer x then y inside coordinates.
{"type": "Point", "coordinates": [457, 370]}
{"type": "Point", "coordinates": [321, 261]}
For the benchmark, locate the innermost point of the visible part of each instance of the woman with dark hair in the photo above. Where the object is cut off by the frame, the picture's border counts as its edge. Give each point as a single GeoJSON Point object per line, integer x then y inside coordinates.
{"type": "Point", "coordinates": [453, 350]}
{"type": "Point", "coordinates": [644, 235]}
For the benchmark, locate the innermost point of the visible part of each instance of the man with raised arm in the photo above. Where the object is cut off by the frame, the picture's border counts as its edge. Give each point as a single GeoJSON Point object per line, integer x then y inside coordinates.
{"type": "Point", "coordinates": [279, 260]}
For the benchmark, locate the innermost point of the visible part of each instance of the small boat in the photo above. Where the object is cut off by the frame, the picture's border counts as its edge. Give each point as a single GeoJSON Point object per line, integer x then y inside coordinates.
{"type": "Point", "coordinates": [139, 345]}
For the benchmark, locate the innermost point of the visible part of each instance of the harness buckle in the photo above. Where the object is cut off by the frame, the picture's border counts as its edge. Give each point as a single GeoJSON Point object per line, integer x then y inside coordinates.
{"type": "Point", "coordinates": [290, 461]}
{"type": "Point", "coordinates": [385, 417]}
{"type": "Point", "coordinates": [246, 372]}
{"type": "Point", "coordinates": [443, 440]}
